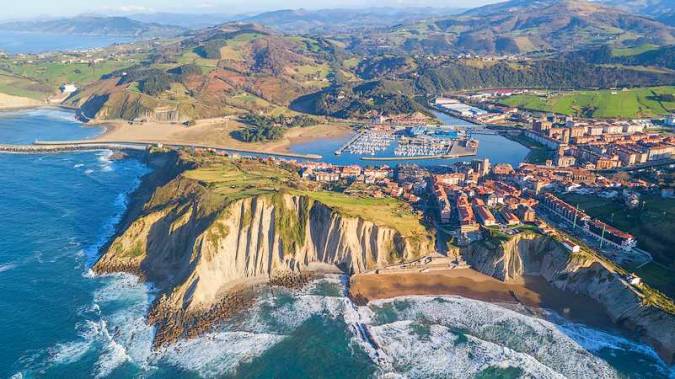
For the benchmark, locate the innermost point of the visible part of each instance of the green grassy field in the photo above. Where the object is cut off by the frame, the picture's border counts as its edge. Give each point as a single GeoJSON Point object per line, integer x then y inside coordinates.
{"type": "Point", "coordinates": [652, 226]}
{"type": "Point", "coordinates": [39, 79]}
{"type": "Point", "coordinates": [630, 51]}
{"type": "Point", "coordinates": [638, 102]}
{"type": "Point", "coordinates": [16, 86]}
{"type": "Point", "coordinates": [55, 74]}
{"type": "Point", "coordinates": [233, 180]}
{"type": "Point", "coordinates": [382, 211]}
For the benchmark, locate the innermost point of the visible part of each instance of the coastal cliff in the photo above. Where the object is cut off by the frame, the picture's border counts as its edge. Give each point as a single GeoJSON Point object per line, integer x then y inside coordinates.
{"type": "Point", "coordinates": [204, 250]}
{"type": "Point", "coordinates": [579, 273]}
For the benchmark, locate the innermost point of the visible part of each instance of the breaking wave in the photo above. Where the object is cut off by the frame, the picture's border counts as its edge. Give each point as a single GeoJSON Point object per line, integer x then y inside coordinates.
{"type": "Point", "coordinates": [411, 336]}
{"type": "Point", "coordinates": [105, 162]}
{"type": "Point", "coordinates": [7, 267]}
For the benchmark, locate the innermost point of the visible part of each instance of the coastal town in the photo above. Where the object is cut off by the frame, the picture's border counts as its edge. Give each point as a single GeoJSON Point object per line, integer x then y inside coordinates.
{"type": "Point", "coordinates": [474, 200]}
{"type": "Point", "coordinates": [459, 189]}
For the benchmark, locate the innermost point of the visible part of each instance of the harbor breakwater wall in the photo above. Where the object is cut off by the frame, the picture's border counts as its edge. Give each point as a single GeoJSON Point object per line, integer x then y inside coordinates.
{"type": "Point", "coordinates": [30, 149]}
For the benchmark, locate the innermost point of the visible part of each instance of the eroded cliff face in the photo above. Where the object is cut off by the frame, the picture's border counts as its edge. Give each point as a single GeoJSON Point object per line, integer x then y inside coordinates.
{"type": "Point", "coordinates": [533, 254]}
{"type": "Point", "coordinates": [202, 252]}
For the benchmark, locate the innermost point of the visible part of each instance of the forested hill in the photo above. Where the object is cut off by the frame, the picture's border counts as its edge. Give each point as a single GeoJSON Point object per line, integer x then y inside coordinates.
{"type": "Point", "coordinates": [239, 68]}
{"type": "Point", "coordinates": [661, 10]}
{"type": "Point", "coordinates": [559, 74]}
{"type": "Point", "coordinates": [392, 90]}
{"type": "Point", "coordinates": [645, 55]}
{"type": "Point", "coordinates": [519, 26]}
{"type": "Point", "coordinates": [305, 21]}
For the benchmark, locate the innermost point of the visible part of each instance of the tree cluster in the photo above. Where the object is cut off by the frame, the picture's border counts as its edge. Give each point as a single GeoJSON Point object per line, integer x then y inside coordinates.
{"type": "Point", "coordinates": [269, 128]}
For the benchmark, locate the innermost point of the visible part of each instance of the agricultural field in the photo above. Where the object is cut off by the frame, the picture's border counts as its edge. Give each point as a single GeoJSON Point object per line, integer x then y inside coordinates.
{"type": "Point", "coordinates": [40, 79]}
{"type": "Point", "coordinates": [54, 74]}
{"type": "Point", "coordinates": [629, 103]}
{"type": "Point", "coordinates": [630, 51]}
{"type": "Point", "coordinates": [23, 87]}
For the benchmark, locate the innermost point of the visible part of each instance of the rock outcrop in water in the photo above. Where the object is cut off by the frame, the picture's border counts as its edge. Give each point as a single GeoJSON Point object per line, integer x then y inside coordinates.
{"type": "Point", "coordinates": [205, 253]}
{"type": "Point", "coordinates": [580, 273]}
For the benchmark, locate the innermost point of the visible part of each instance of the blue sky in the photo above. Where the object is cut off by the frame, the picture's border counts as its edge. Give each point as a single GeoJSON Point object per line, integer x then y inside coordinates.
{"type": "Point", "coordinates": [56, 8]}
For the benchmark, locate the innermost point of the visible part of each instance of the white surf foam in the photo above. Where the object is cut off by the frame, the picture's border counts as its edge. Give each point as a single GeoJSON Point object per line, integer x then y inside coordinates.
{"type": "Point", "coordinates": [216, 354]}
{"type": "Point", "coordinates": [493, 334]}
{"type": "Point", "coordinates": [73, 351]}
{"type": "Point", "coordinates": [53, 113]}
{"type": "Point", "coordinates": [442, 353]}
{"type": "Point", "coordinates": [108, 230]}
{"type": "Point", "coordinates": [7, 267]}
{"type": "Point", "coordinates": [414, 336]}
{"type": "Point", "coordinates": [105, 162]}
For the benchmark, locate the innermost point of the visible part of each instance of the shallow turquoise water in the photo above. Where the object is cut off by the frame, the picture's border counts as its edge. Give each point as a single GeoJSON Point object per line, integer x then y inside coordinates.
{"type": "Point", "coordinates": [59, 321]}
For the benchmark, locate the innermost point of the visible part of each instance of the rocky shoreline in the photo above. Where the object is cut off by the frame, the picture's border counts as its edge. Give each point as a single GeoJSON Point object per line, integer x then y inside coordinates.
{"type": "Point", "coordinates": [580, 274]}
{"type": "Point", "coordinates": [194, 257]}
{"type": "Point", "coordinates": [173, 325]}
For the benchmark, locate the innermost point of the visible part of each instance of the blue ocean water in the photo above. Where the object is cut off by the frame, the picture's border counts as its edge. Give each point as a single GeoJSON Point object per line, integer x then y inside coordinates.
{"type": "Point", "coordinates": [27, 126]}
{"type": "Point", "coordinates": [30, 42]}
{"type": "Point", "coordinates": [58, 320]}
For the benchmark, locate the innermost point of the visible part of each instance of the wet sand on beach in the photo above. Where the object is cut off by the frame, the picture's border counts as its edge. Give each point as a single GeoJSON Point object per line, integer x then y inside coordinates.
{"type": "Point", "coordinates": [215, 132]}
{"type": "Point", "coordinates": [532, 291]}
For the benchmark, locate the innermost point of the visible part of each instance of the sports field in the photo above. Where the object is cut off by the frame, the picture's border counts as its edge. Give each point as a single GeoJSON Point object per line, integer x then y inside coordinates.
{"type": "Point", "coordinates": [628, 103]}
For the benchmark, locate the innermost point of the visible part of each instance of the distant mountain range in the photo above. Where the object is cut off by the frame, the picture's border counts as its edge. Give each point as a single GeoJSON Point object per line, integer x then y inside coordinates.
{"type": "Point", "coordinates": [520, 26]}
{"type": "Point", "coordinates": [515, 26]}
{"type": "Point", "coordinates": [364, 63]}
{"type": "Point", "coordinates": [302, 21]}
{"type": "Point", "coordinates": [93, 25]}
{"type": "Point", "coordinates": [185, 20]}
{"type": "Point", "coordinates": [661, 10]}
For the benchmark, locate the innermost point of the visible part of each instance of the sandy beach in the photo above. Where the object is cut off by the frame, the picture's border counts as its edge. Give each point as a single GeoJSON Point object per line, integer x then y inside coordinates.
{"type": "Point", "coordinates": [9, 102]}
{"type": "Point", "coordinates": [216, 132]}
{"type": "Point", "coordinates": [533, 291]}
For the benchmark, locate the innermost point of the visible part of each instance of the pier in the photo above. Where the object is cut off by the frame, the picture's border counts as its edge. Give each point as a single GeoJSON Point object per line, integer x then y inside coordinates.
{"type": "Point", "coordinates": [59, 146]}
{"type": "Point", "coordinates": [348, 143]}
{"type": "Point", "coordinates": [31, 149]}
{"type": "Point", "coordinates": [368, 142]}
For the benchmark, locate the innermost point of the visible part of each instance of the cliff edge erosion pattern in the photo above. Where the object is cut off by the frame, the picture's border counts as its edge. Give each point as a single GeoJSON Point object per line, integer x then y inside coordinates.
{"type": "Point", "coordinates": [208, 230]}
{"type": "Point", "coordinates": [208, 236]}
{"type": "Point", "coordinates": [580, 273]}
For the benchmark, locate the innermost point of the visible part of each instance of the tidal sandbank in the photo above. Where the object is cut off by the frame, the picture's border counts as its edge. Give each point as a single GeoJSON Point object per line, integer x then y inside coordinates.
{"type": "Point", "coordinates": [217, 132]}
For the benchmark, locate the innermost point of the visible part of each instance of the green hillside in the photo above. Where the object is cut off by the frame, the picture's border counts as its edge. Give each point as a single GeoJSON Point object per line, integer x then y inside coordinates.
{"type": "Point", "coordinates": [630, 103]}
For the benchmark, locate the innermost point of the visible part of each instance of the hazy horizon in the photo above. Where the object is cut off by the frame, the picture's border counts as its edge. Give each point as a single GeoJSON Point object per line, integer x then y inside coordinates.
{"type": "Point", "coordinates": [40, 9]}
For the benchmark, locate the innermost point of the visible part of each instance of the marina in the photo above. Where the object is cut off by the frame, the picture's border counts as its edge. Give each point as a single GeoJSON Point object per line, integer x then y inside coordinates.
{"type": "Point", "coordinates": [370, 142]}
{"type": "Point", "coordinates": [416, 143]}
{"type": "Point", "coordinates": [493, 146]}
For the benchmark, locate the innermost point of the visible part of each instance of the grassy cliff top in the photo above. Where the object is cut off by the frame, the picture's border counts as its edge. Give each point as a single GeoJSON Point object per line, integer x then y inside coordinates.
{"type": "Point", "coordinates": [381, 211]}
{"type": "Point", "coordinates": [238, 179]}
